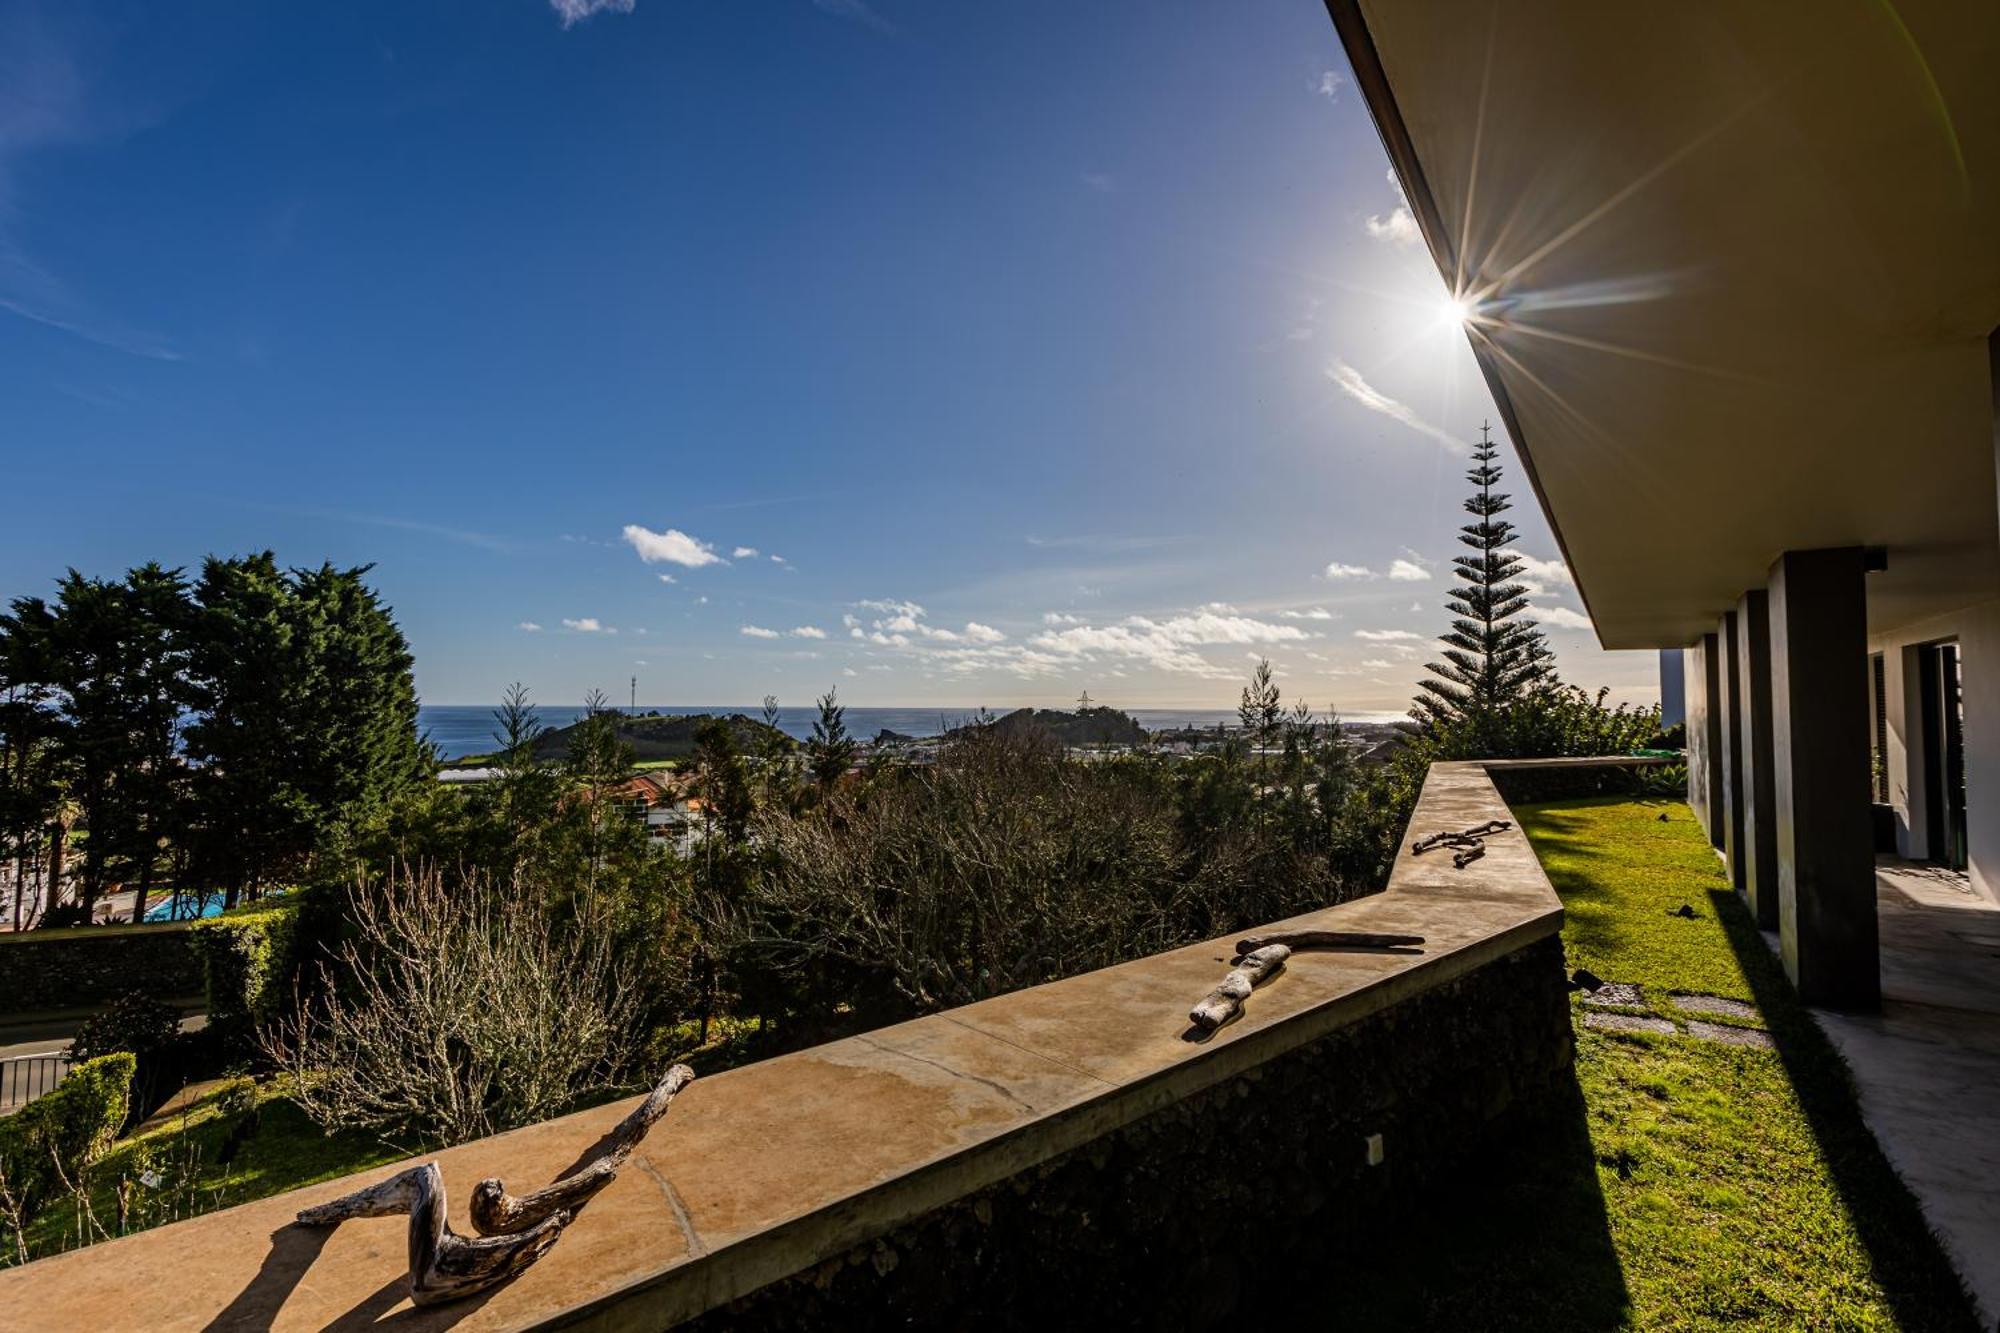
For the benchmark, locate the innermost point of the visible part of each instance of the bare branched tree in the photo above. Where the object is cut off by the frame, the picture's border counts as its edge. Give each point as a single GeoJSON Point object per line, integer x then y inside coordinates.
{"type": "Point", "coordinates": [462, 1007]}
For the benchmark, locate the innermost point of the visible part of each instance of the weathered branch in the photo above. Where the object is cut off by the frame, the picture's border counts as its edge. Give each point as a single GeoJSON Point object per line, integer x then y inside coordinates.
{"type": "Point", "coordinates": [1326, 939]}
{"type": "Point", "coordinates": [496, 1212]}
{"type": "Point", "coordinates": [444, 1266]}
{"type": "Point", "coordinates": [1222, 1004]}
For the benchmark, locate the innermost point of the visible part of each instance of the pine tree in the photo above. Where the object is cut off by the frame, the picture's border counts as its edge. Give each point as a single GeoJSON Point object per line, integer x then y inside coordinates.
{"type": "Point", "coordinates": [831, 750]}
{"type": "Point", "coordinates": [1494, 655]}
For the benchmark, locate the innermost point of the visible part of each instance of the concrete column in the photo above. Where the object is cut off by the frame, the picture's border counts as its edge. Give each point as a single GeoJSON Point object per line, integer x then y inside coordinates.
{"type": "Point", "coordinates": [1729, 695]}
{"type": "Point", "coordinates": [1704, 735]}
{"type": "Point", "coordinates": [1757, 877]}
{"type": "Point", "coordinates": [1819, 746]}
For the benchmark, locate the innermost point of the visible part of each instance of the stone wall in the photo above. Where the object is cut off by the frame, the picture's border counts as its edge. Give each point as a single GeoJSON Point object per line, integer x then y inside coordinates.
{"type": "Point", "coordinates": [91, 965]}
{"type": "Point", "coordinates": [1182, 1218]}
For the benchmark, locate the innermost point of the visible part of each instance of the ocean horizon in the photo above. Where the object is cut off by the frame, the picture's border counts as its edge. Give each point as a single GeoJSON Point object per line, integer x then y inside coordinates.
{"type": "Point", "coordinates": [462, 729]}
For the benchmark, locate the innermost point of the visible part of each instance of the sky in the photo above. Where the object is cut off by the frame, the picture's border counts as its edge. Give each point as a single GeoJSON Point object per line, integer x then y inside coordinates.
{"type": "Point", "coordinates": [969, 355]}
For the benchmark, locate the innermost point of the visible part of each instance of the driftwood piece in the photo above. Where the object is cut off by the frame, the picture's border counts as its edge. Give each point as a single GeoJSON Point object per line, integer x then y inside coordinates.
{"type": "Point", "coordinates": [496, 1212]}
{"type": "Point", "coordinates": [1326, 939]}
{"type": "Point", "coordinates": [1222, 1004]}
{"type": "Point", "coordinates": [1468, 844]}
{"type": "Point", "coordinates": [445, 1266]}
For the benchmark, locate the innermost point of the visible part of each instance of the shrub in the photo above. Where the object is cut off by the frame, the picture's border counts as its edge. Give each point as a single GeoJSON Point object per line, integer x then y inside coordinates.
{"type": "Point", "coordinates": [1004, 865]}
{"type": "Point", "coordinates": [136, 1022]}
{"type": "Point", "coordinates": [248, 960]}
{"type": "Point", "coordinates": [463, 1008]}
{"type": "Point", "coordinates": [47, 1146]}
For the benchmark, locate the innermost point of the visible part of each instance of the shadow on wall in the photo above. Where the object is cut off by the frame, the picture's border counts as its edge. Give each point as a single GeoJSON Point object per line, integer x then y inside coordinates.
{"type": "Point", "coordinates": [1518, 1239]}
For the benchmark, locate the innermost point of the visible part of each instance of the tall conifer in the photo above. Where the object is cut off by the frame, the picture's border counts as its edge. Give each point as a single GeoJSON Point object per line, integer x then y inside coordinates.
{"type": "Point", "coordinates": [1494, 655]}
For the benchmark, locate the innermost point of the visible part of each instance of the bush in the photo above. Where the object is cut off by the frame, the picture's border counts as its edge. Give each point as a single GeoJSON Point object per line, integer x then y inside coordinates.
{"type": "Point", "coordinates": [463, 1008]}
{"type": "Point", "coordinates": [47, 1146]}
{"type": "Point", "coordinates": [1007, 864]}
{"type": "Point", "coordinates": [136, 1022]}
{"type": "Point", "coordinates": [249, 961]}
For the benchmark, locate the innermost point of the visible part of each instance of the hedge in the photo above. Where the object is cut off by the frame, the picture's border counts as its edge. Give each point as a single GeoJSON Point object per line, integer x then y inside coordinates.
{"type": "Point", "coordinates": [72, 1124]}
{"type": "Point", "coordinates": [248, 959]}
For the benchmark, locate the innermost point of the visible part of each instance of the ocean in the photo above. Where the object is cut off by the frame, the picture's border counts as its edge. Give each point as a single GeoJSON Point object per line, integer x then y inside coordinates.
{"type": "Point", "coordinates": [462, 729]}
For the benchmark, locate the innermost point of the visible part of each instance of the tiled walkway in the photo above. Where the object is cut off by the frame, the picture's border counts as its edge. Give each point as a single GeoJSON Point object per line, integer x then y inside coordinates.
{"type": "Point", "coordinates": [1928, 1066]}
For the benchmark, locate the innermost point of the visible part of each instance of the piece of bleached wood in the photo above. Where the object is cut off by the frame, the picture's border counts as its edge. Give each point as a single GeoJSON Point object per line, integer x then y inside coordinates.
{"type": "Point", "coordinates": [1326, 939]}
{"type": "Point", "coordinates": [496, 1212]}
{"type": "Point", "coordinates": [1222, 1003]}
{"type": "Point", "coordinates": [444, 1266]}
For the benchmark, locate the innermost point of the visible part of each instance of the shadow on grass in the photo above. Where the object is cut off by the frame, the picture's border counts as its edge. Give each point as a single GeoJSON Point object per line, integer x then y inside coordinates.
{"type": "Point", "coordinates": [1517, 1238]}
{"type": "Point", "coordinates": [1904, 1257]}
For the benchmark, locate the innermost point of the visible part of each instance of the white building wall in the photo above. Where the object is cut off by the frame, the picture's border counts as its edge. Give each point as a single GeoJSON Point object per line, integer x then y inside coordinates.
{"type": "Point", "coordinates": [1977, 630]}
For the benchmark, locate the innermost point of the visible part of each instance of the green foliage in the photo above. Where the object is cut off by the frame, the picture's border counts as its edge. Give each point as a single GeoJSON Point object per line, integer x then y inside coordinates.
{"type": "Point", "coordinates": [50, 1144]}
{"type": "Point", "coordinates": [136, 1022]}
{"type": "Point", "coordinates": [307, 726]}
{"type": "Point", "coordinates": [250, 961]}
{"type": "Point", "coordinates": [1494, 656]}
{"type": "Point", "coordinates": [830, 752]}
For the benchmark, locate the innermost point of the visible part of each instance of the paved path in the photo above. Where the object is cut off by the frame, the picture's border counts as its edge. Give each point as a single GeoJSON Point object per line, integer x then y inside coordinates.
{"type": "Point", "coordinates": [1928, 1066]}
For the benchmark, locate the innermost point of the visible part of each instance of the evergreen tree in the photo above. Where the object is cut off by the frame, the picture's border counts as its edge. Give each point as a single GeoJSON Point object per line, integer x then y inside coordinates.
{"type": "Point", "coordinates": [155, 695]}
{"type": "Point", "coordinates": [1494, 655]}
{"type": "Point", "coordinates": [1261, 706]}
{"type": "Point", "coordinates": [831, 750]}
{"type": "Point", "coordinates": [307, 725]}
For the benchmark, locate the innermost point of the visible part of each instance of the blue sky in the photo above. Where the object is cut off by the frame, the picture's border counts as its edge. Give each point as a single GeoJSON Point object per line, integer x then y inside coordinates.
{"type": "Point", "coordinates": [949, 354]}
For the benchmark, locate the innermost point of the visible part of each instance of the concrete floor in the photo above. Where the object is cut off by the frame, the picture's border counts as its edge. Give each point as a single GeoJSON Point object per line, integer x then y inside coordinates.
{"type": "Point", "coordinates": [1928, 1065]}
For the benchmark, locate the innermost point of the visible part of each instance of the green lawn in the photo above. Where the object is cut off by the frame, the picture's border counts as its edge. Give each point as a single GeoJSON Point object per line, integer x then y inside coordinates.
{"type": "Point", "coordinates": [1689, 1184]}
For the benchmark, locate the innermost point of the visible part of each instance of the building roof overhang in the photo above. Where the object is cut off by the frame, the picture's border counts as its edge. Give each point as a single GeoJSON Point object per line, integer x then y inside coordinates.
{"type": "Point", "coordinates": [1734, 271]}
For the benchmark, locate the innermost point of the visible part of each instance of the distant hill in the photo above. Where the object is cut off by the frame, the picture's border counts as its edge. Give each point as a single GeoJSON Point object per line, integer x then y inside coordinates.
{"type": "Point", "coordinates": [1090, 726]}
{"type": "Point", "coordinates": [665, 735]}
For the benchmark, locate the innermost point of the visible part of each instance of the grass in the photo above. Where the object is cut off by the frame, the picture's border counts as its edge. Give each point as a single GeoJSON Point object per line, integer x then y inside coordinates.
{"type": "Point", "coordinates": [209, 1156]}
{"type": "Point", "coordinates": [204, 1158]}
{"type": "Point", "coordinates": [1687, 1184]}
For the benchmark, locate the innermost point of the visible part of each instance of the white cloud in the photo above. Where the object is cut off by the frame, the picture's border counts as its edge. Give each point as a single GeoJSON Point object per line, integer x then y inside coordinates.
{"type": "Point", "coordinates": [584, 625]}
{"type": "Point", "coordinates": [1330, 83]}
{"type": "Point", "coordinates": [1316, 613]}
{"type": "Point", "coordinates": [701, 600]}
{"type": "Point", "coordinates": [1408, 571]}
{"type": "Point", "coordinates": [1397, 226]}
{"type": "Point", "coordinates": [1060, 618]}
{"type": "Point", "coordinates": [809, 632]}
{"type": "Point", "coordinates": [1562, 617]}
{"type": "Point", "coordinates": [779, 560]}
{"type": "Point", "coordinates": [758, 632]}
{"type": "Point", "coordinates": [672, 545]}
{"type": "Point", "coordinates": [529, 626]}
{"type": "Point", "coordinates": [890, 607]}
{"type": "Point", "coordinates": [573, 12]}
{"type": "Point", "coordinates": [1541, 575]}
{"type": "Point", "coordinates": [1377, 663]}
{"type": "Point", "coordinates": [744, 553]}
{"type": "Point", "coordinates": [1336, 570]}
{"type": "Point", "coordinates": [1099, 181]}
{"type": "Point", "coordinates": [979, 633]}
{"type": "Point", "coordinates": [668, 578]}
{"type": "Point", "coordinates": [1416, 607]}
{"type": "Point", "coordinates": [1387, 635]}
{"type": "Point", "coordinates": [1361, 391]}
{"type": "Point", "coordinates": [849, 671]}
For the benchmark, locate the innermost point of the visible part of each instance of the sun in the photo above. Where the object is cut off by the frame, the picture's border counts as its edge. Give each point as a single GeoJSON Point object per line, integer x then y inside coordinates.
{"type": "Point", "coordinates": [1456, 311]}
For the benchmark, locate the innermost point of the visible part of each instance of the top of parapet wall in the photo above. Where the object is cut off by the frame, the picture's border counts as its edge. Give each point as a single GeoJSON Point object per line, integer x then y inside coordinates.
{"type": "Point", "coordinates": [764, 1170]}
